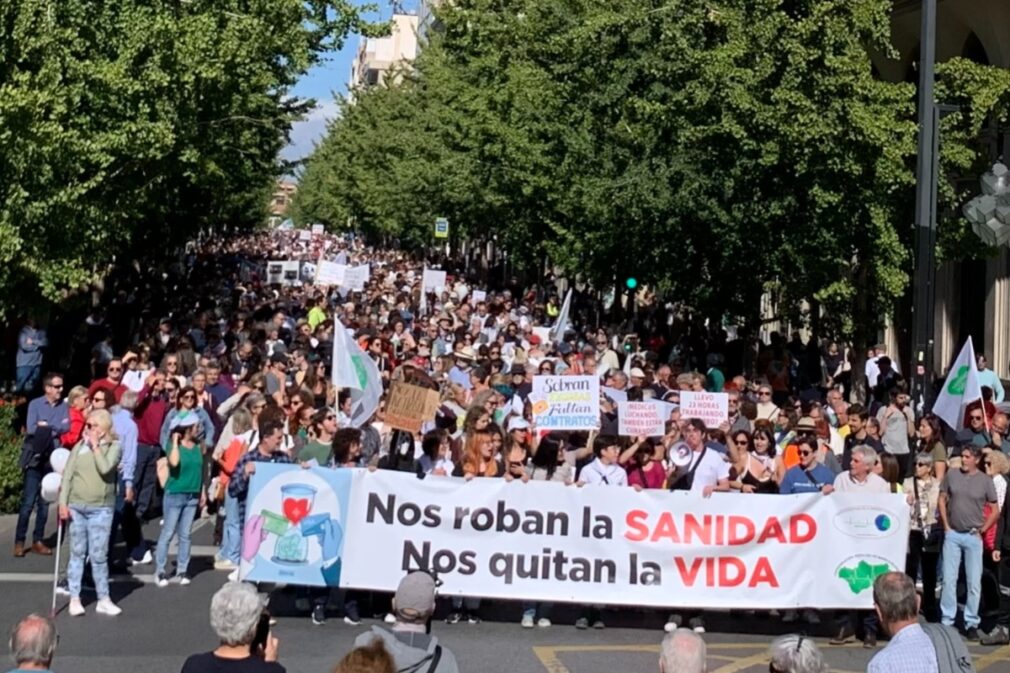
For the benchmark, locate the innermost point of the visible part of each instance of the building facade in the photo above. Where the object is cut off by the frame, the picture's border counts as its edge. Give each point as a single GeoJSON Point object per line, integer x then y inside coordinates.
{"type": "Point", "coordinates": [972, 297]}
{"type": "Point", "coordinates": [378, 58]}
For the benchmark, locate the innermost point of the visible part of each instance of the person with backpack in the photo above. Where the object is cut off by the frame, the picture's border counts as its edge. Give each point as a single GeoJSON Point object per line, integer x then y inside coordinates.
{"type": "Point", "coordinates": [914, 647]}
{"type": "Point", "coordinates": [413, 648]}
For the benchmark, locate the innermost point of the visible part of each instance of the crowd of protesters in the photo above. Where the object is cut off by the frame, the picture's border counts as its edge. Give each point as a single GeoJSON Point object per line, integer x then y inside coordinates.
{"type": "Point", "coordinates": [182, 386]}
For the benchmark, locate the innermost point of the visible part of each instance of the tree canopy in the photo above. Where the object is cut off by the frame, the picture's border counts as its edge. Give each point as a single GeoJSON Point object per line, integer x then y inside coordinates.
{"type": "Point", "coordinates": [715, 151]}
{"type": "Point", "coordinates": [126, 127]}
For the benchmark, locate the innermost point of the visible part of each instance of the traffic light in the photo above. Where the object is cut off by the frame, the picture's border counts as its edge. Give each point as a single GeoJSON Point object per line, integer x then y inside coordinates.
{"type": "Point", "coordinates": [631, 283]}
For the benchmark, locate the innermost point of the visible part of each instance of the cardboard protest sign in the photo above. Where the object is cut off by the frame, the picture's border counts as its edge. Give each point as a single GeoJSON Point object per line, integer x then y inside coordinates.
{"type": "Point", "coordinates": [639, 419]}
{"type": "Point", "coordinates": [712, 408]}
{"type": "Point", "coordinates": [410, 406]}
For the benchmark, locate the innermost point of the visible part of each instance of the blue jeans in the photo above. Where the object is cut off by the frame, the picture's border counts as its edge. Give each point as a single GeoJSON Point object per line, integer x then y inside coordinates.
{"type": "Point", "coordinates": [179, 511]}
{"type": "Point", "coordinates": [954, 545]}
{"type": "Point", "coordinates": [31, 498]}
{"type": "Point", "coordinates": [231, 541]}
{"type": "Point", "coordinates": [27, 378]}
{"type": "Point", "coordinates": [90, 527]}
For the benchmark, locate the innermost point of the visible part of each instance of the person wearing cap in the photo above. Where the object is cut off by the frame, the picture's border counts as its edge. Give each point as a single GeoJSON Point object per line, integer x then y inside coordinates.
{"type": "Point", "coordinates": [183, 495]}
{"type": "Point", "coordinates": [409, 641]}
{"type": "Point", "coordinates": [460, 372]}
{"type": "Point", "coordinates": [276, 376]}
{"type": "Point", "coordinates": [790, 457]}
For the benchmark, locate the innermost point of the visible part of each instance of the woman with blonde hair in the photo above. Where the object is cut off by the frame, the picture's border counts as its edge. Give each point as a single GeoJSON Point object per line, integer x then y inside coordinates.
{"type": "Point", "coordinates": [87, 499]}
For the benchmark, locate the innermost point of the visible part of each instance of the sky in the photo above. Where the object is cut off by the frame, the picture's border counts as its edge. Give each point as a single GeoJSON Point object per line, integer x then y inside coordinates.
{"type": "Point", "coordinates": [325, 81]}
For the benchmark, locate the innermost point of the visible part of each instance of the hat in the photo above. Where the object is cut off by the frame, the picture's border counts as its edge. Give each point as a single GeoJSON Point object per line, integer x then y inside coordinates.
{"type": "Point", "coordinates": [564, 348]}
{"type": "Point", "coordinates": [637, 373]}
{"type": "Point", "coordinates": [466, 353]}
{"type": "Point", "coordinates": [517, 370]}
{"type": "Point", "coordinates": [806, 424]}
{"type": "Point", "coordinates": [279, 357]}
{"type": "Point", "coordinates": [415, 597]}
{"type": "Point", "coordinates": [518, 423]}
{"type": "Point", "coordinates": [184, 419]}
{"type": "Point", "coordinates": [534, 339]}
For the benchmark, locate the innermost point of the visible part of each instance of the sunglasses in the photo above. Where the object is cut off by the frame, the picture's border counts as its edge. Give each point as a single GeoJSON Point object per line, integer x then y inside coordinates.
{"type": "Point", "coordinates": [764, 393]}
{"type": "Point", "coordinates": [976, 418]}
{"type": "Point", "coordinates": [189, 396]}
{"type": "Point", "coordinates": [115, 369]}
{"type": "Point", "coordinates": [56, 387]}
{"type": "Point", "coordinates": [924, 464]}
{"type": "Point", "coordinates": [806, 453]}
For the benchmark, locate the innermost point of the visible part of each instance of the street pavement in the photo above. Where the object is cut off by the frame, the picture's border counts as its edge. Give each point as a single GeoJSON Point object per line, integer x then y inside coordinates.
{"type": "Point", "coordinates": [159, 627]}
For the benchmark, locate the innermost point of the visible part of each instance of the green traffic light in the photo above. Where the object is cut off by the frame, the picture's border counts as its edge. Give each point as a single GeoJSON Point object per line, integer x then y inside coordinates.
{"type": "Point", "coordinates": [631, 283]}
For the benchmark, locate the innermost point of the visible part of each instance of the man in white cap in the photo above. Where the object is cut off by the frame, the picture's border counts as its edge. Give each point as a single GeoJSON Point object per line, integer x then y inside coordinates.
{"type": "Point", "coordinates": [413, 648]}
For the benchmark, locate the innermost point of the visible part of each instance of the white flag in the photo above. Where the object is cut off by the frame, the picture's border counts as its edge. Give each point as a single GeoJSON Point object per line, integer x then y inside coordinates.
{"type": "Point", "coordinates": [354, 369]}
{"type": "Point", "coordinates": [960, 389]}
{"type": "Point", "coordinates": [564, 322]}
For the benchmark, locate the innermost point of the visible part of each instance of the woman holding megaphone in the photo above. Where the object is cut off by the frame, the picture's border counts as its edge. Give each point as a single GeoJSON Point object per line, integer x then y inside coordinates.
{"type": "Point", "coordinates": [87, 500]}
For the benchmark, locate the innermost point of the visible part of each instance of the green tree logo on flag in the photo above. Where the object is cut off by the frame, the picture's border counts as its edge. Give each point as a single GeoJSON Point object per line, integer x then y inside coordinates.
{"type": "Point", "coordinates": [958, 382]}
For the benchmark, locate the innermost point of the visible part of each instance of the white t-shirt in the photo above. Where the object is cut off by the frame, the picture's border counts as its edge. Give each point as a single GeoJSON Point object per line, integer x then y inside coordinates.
{"type": "Point", "coordinates": [873, 484]}
{"type": "Point", "coordinates": [711, 470]}
{"type": "Point", "coordinates": [608, 475]}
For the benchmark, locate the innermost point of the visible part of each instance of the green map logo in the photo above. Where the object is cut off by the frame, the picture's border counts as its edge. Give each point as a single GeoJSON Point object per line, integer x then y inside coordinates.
{"type": "Point", "coordinates": [860, 576]}
{"type": "Point", "coordinates": [959, 382]}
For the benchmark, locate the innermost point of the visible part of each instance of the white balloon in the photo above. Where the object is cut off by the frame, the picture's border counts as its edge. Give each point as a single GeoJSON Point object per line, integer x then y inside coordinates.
{"type": "Point", "coordinates": [51, 486]}
{"type": "Point", "coordinates": [59, 459]}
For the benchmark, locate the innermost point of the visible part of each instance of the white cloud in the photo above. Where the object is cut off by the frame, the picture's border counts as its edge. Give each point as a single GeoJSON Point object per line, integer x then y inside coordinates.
{"type": "Point", "coordinates": [309, 131]}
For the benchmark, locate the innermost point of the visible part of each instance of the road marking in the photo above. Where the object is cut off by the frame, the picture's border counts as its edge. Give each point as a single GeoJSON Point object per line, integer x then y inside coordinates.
{"type": "Point", "coordinates": [996, 656]}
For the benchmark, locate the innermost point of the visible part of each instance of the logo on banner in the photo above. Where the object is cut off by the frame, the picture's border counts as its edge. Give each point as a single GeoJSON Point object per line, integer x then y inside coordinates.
{"type": "Point", "coordinates": [859, 572]}
{"type": "Point", "coordinates": [294, 527]}
{"type": "Point", "coordinates": [865, 522]}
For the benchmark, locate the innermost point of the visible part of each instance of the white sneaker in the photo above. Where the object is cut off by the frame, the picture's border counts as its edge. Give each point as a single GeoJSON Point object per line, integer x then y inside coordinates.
{"type": "Point", "coordinates": [527, 622]}
{"type": "Point", "coordinates": [390, 618]}
{"type": "Point", "coordinates": [76, 609]}
{"type": "Point", "coordinates": [147, 558]}
{"type": "Point", "coordinates": [184, 580]}
{"type": "Point", "coordinates": [107, 607]}
{"type": "Point", "coordinates": [162, 580]}
{"type": "Point", "coordinates": [224, 564]}
{"type": "Point", "coordinates": [543, 622]}
{"type": "Point", "coordinates": [233, 575]}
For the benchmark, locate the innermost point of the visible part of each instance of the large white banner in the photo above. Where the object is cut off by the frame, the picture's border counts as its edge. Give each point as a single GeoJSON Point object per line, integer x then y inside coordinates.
{"type": "Point", "coordinates": [613, 545]}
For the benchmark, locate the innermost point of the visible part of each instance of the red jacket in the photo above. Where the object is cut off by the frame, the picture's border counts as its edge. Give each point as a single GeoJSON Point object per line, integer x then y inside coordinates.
{"type": "Point", "coordinates": [150, 415]}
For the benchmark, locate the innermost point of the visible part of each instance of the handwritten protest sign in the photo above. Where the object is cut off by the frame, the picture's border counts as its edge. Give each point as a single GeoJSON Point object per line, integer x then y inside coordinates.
{"type": "Point", "coordinates": [410, 406]}
{"type": "Point", "coordinates": [477, 296]}
{"type": "Point", "coordinates": [318, 229]}
{"type": "Point", "coordinates": [566, 402]}
{"type": "Point", "coordinates": [330, 273]}
{"type": "Point", "coordinates": [712, 408]}
{"type": "Point", "coordinates": [639, 419]}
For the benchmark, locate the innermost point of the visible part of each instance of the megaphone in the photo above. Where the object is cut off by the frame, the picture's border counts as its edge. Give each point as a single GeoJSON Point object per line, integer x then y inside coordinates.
{"type": "Point", "coordinates": [680, 456]}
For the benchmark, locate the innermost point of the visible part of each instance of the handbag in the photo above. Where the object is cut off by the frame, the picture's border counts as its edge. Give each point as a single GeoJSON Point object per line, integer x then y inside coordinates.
{"type": "Point", "coordinates": [989, 537]}
{"type": "Point", "coordinates": [162, 467]}
{"type": "Point", "coordinates": [932, 535]}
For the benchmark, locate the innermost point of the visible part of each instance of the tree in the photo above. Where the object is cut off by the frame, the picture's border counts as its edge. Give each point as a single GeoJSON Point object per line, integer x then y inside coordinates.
{"type": "Point", "coordinates": [127, 127]}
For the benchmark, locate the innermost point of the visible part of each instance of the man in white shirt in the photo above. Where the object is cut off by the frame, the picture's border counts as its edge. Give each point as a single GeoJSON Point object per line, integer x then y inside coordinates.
{"type": "Point", "coordinates": [859, 478]}
{"type": "Point", "coordinates": [605, 470]}
{"type": "Point", "coordinates": [706, 473]}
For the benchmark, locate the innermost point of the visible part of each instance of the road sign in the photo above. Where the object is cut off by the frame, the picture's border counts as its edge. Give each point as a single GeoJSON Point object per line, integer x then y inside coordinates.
{"type": "Point", "coordinates": [441, 228]}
